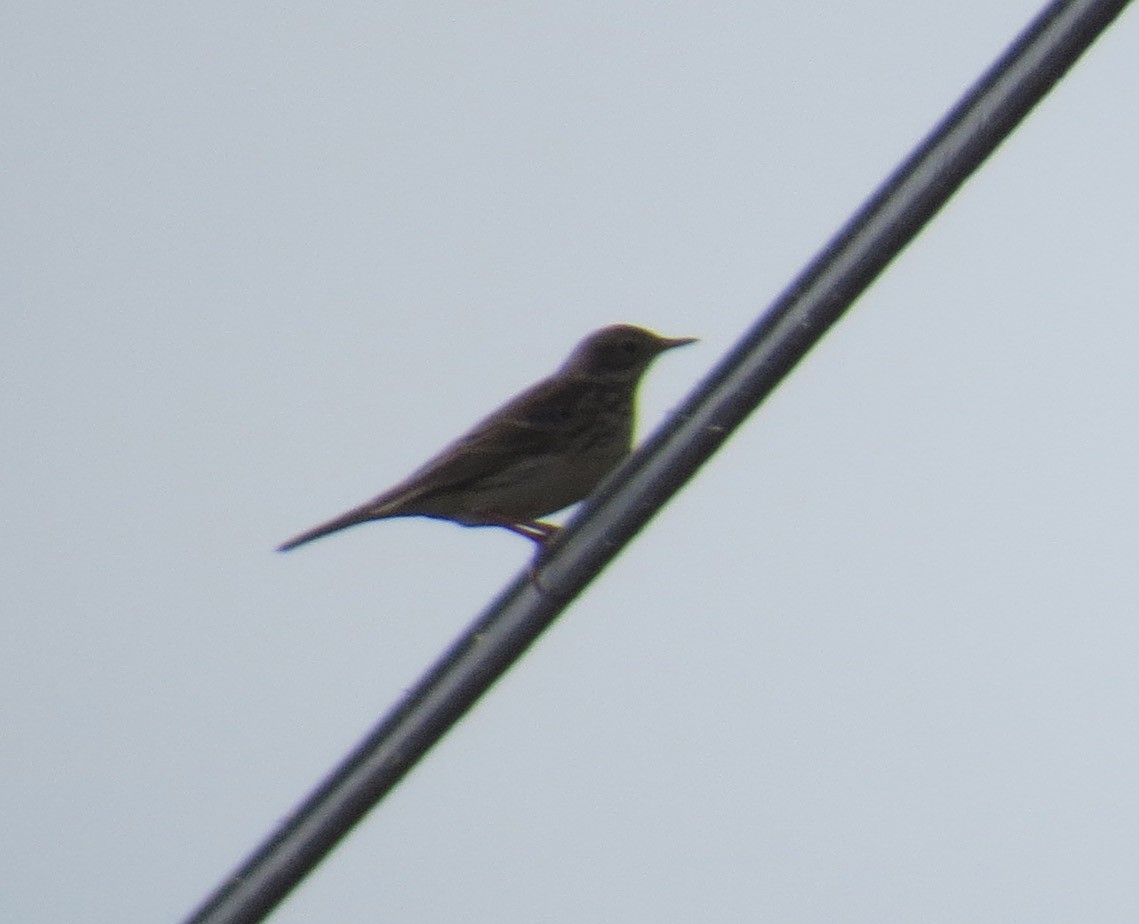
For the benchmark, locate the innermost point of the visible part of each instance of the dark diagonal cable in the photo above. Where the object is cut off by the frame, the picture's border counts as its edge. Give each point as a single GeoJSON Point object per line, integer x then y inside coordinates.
{"type": "Point", "coordinates": [801, 315]}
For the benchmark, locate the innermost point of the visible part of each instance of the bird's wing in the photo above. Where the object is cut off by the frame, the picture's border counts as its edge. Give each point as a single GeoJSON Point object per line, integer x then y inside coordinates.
{"type": "Point", "coordinates": [533, 423]}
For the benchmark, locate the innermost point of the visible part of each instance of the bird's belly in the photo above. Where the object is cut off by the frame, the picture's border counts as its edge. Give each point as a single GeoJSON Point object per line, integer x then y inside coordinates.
{"type": "Point", "coordinates": [537, 486]}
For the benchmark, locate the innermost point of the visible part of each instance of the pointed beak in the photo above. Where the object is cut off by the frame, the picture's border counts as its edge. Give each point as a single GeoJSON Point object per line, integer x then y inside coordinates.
{"type": "Point", "coordinates": [670, 342]}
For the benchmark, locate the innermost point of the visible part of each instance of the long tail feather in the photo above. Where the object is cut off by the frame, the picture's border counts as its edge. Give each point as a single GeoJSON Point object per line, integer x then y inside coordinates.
{"type": "Point", "coordinates": [351, 518]}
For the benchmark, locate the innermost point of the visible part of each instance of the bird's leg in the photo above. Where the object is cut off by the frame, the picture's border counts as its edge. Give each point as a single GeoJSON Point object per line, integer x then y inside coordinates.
{"type": "Point", "coordinates": [542, 532]}
{"type": "Point", "coordinates": [535, 530]}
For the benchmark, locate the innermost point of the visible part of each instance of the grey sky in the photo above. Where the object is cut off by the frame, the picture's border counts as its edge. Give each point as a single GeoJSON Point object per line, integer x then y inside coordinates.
{"type": "Point", "coordinates": [877, 663]}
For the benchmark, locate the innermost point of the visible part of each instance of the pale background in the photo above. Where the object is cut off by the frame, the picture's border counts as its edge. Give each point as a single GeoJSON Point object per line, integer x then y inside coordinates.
{"type": "Point", "coordinates": [877, 663]}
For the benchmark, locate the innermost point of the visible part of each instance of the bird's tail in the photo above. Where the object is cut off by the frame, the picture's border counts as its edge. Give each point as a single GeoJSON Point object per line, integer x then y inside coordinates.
{"type": "Point", "coordinates": [359, 515]}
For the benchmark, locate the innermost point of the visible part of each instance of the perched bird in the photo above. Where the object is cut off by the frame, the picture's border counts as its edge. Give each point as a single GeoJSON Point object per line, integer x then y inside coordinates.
{"type": "Point", "coordinates": [543, 450]}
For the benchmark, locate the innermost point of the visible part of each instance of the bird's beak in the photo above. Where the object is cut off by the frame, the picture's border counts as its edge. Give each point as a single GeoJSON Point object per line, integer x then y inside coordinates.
{"type": "Point", "coordinates": [670, 342]}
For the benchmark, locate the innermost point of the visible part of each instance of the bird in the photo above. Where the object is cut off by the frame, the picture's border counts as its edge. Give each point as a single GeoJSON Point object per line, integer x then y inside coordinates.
{"type": "Point", "coordinates": [545, 449]}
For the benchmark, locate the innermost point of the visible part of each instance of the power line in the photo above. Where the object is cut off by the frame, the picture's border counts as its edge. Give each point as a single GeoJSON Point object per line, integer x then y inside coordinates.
{"type": "Point", "coordinates": [889, 220]}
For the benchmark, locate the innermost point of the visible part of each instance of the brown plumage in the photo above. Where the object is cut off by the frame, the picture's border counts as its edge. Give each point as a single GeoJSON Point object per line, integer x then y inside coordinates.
{"type": "Point", "coordinates": [545, 449]}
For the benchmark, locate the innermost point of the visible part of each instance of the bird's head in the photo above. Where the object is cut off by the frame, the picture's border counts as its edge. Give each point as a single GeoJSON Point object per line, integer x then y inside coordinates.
{"type": "Point", "coordinates": [621, 352]}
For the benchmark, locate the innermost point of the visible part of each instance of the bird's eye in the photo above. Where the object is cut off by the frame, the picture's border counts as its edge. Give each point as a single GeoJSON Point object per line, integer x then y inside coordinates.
{"type": "Point", "coordinates": [630, 347]}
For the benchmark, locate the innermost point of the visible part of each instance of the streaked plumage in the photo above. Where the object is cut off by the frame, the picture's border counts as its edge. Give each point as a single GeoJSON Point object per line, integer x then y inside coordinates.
{"type": "Point", "coordinates": [545, 449]}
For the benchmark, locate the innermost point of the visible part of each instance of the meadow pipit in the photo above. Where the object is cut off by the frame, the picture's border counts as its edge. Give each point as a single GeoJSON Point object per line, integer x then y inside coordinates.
{"type": "Point", "coordinates": [543, 450]}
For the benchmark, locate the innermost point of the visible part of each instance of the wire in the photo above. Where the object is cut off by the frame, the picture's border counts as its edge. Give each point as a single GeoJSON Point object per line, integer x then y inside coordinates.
{"type": "Point", "coordinates": [631, 496]}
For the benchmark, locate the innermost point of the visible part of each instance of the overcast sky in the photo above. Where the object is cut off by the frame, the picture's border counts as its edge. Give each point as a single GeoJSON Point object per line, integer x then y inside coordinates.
{"type": "Point", "coordinates": [878, 662]}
